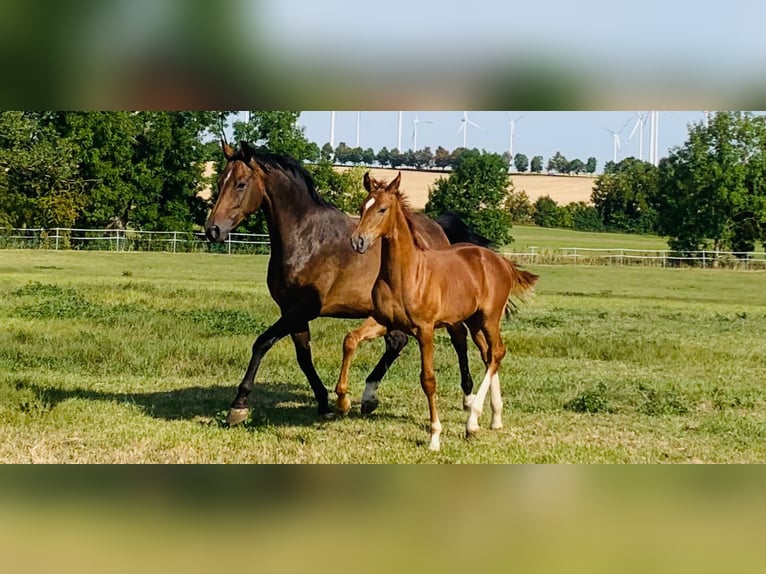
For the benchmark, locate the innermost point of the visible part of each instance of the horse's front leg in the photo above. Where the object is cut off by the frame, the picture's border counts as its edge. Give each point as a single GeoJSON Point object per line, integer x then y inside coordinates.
{"type": "Point", "coordinates": [302, 342]}
{"type": "Point", "coordinates": [370, 329]}
{"type": "Point", "coordinates": [425, 338]}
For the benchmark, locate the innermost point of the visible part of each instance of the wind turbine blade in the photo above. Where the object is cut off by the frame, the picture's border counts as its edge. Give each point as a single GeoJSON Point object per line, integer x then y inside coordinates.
{"type": "Point", "coordinates": [474, 124]}
{"type": "Point", "coordinates": [635, 127]}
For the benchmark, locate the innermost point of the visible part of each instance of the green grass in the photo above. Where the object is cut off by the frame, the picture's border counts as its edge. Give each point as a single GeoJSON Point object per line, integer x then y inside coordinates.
{"type": "Point", "coordinates": [122, 357]}
{"type": "Point", "coordinates": [549, 238]}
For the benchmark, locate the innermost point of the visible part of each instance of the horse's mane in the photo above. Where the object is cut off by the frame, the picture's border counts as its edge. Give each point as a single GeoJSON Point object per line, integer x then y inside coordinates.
{"type": "Point", "coordinates": [409, 216]}
{"type": "Point", "coordinates": [267, 160]}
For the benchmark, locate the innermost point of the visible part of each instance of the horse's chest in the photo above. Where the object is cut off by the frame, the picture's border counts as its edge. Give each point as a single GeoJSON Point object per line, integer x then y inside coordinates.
{"type": "Point", "coordinates": [389, 310]}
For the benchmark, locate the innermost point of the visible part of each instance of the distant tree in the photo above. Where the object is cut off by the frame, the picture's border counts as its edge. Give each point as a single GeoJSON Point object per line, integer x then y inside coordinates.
{"type": "Point", "coordinates": [477, 191]}
{"type": "Point", "coordinates": [342, 189]}
{"type": "Point", "coordinates": [343, 153]}
{"type": "Point", "coordinates": [536, 165]}
{"type": "Point", "coordinates": [713, 189]}
{"type": "Point", "coordinates": [624, 197]}
{"type": "Point", "coordinates": [547, 212]}
{"type": "Point", "coordinates": [423, 158]}
{"type": "Point", "coordinates": [313, 152]}
{"type": "Point", "coordinates": [276, 130]}
{"type": "Point", "coordinates": [326, 153]}
{"type": "Point", "coordinates": [368, 156]}
{"type": "Point", "coordinates": [583, 217]}
{"type": "Point", "coordinates": [558, 163]}
{"type": "Point", "coordinates": [576, 166]}
{"type": "Point", "coordinates": [507, 158]}
{"type": "Point", "coordinates": [408, 158]}
{"type": "Point", "coordinates": [442, 158]}
{"type": "Point", "coordinates": [521, 162]}
{"type": "Point", "coordinates": [590, 165]}
{"type": "Point", "coordinates": [456, 157]}
{"type": "Point", "coordinates": [382, 156]}
{"type": "Point", "coordinates": [395, 158]}
{"type": "Point", "coordinates": [519, 207]}
{"type": "Point", "coordinates": [356, 155]}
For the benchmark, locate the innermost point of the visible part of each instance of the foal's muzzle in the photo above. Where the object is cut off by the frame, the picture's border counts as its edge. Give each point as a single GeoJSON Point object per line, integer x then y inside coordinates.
{"type": "Point", "coordinates": [359, 244]}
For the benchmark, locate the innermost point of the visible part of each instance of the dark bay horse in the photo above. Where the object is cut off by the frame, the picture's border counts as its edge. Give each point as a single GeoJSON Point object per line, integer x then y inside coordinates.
{"type": "Point", "coordinates": [418, 290]}
{"type": "Point", "coordinates": [312, 270]}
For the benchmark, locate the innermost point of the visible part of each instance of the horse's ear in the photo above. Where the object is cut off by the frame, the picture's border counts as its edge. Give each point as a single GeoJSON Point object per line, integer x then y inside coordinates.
{"type": "Point", "coordinates": [249, 151]}
{"type": "Point", "coordinates": [366, 182]}
{"type": "Point", "coordinates": [393, 187]}
{"type": "Point", "coordinates": [228, 151]}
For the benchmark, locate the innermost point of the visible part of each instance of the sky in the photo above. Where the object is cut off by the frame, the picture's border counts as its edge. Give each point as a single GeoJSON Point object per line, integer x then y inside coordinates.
{"type": "Point", "coordinates": [576, 134]}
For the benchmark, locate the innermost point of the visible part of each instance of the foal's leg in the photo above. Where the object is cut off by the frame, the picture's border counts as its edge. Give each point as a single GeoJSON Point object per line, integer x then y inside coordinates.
{"type": "Point", "coordinates": [458, 335]}
{"type": "Point", "coordinates": [395, 342]}
{"type": "Point", "coordinates": [496, 351]}
{"type": "Point", "coordinates": [284, 326]}
{"type": "Point", "coordinates": [428, 382]}
{"type": "Point", "coordinates": [370, 329]}
{"type": "Point", "coordinates": [302, 342]}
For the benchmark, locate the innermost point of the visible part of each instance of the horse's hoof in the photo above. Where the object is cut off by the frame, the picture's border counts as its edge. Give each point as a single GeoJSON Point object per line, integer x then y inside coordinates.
{"type": "Point", "coordinates": [343, 406]}
{"type": "Point", "coordinates": [471, 432]}
{"type": "Point", "coordinates": [369, 406]}
{"type": "Point", "coordinates": [327, 416]}
{"type": "Point", "coordinates": [496, 426]}
{"type": "Point", "coordinates": [237, 416]}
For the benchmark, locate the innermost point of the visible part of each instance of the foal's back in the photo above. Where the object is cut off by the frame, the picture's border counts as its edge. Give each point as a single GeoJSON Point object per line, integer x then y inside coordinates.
{"type": "Point", "coordinates": [467, 279]}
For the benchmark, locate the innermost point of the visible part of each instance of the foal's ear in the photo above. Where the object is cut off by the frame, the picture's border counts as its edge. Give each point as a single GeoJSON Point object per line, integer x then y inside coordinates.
{"type": "Point", "coordinates": [366, 182]}
{"type": "Point", "coordinates": [249, 151]}
{"type": "Point", "coordinates": [393, 187]}
{"type": "Point", "coordinates": [228, 151]}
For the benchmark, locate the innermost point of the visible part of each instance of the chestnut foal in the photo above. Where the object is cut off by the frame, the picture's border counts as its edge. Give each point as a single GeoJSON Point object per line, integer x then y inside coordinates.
{"type": "Point", "coordinates": [419, 290]}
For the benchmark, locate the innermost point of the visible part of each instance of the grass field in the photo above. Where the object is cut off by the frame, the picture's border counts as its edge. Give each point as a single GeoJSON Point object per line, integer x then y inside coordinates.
{"type": "Point", "coordinates": [128, 357]}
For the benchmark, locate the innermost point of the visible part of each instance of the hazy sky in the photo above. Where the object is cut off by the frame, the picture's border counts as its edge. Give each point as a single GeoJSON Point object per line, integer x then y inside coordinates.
{"type": "Point", "coordinates": [576, 134]}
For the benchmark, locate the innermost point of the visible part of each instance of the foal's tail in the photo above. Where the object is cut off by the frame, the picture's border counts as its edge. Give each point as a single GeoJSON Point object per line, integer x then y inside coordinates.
{"type": "Point", "coordinates": [457, 231]}
{"type": "Point", "coordinates": [522, 286]}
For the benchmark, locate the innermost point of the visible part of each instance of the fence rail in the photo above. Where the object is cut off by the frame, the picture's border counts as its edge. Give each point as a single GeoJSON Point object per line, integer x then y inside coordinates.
{"type": "Point", "coordinates": [186, 242]}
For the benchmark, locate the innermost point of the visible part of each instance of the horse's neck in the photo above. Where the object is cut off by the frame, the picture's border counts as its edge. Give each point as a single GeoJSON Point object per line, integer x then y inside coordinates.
{"type": "Point", "coordinates": [286, 204]}
{"type": "Point", "coordinates": [399, 256]}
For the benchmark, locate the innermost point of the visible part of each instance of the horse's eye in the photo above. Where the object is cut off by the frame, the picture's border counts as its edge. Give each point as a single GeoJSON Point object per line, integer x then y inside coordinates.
{"type": "Point", "coordinates": [241, 185]}
{"type": "Point", "coordinates": [382, 210]}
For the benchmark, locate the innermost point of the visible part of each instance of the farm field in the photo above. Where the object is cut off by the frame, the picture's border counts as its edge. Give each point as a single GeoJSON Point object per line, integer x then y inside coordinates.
{"type": "Point", "coordinates": [564, 189]}
{"type": "Point", "coordinates": [135, 357]}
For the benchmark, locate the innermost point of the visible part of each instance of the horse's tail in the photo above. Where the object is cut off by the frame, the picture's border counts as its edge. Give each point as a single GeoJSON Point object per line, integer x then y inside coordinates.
{"type": "Point", "coordinates": [522, 286]}
{"type": "Point", "coordinates": [457, 231]}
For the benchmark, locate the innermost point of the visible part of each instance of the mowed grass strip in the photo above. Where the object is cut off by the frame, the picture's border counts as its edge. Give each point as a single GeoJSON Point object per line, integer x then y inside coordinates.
{"type": "Point", "coordinates": [124, 357]}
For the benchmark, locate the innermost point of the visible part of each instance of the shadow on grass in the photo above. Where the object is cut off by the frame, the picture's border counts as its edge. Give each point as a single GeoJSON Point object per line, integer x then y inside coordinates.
{"type": "Point", "coordinates": [280, 404]}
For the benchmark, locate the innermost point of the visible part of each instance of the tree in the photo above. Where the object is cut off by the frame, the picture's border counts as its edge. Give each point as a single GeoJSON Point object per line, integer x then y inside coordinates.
{"type": "Point", "coordinates": [547, 212]}
{"type": "Point", "coordinates": [713, 188]}
{"type": "Point", "coordinates": [590, 165]}
{"type": "Point", "coordinates": [342, 153]}
{"type": "Point", "coordinates": [536, 165]}
{"type": "Point", "coordinates": [575, 166]}
{"type": "Point", "coordinates": [519, 207]}
{"type": "Point", "coordinates": [477, 191]}
{"type": "Point", "coordinates": [382, 156]}
{"type": "Point", "coordinates": [326, 153]}
{"type": "Point", "coordinates": [441, 158]}
{"type": "Point", "coordinates": [624, 196]}
{"type": "Point", "coordinates": [278, 131]}
{"type": "Point", "coordinates": [342, 189]}
{"type": "Point", "coordinates": [423, 158]}
{"type": "Point", "coordinates": [368, 156]}
{"type": "Point", "coordinates": [558, 163]}
{"type": "Point", "coordinates": [582, 217]}
{"type": "Point", "coordinates": [521, 162]}
{"type": "Point", "coordinates": [395, 158]}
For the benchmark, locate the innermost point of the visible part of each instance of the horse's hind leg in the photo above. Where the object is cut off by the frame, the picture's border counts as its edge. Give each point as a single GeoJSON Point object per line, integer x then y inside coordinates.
{"type": "Point", "coordinates": [302, 342]}
{"type": "Point", "coordinates": [395, 342]}
{"type": "Point", "coordinates": [458, 335]}
{"type": "Point", "coordinates": [370, 329]}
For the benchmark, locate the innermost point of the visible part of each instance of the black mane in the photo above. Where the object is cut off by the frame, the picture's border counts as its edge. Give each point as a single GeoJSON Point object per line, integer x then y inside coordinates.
{"type": "Point", "coordinates": [284, 162]}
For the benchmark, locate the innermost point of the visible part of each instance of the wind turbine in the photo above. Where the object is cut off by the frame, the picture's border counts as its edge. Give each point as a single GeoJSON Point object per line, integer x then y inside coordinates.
{"type": "Point", "coordinates": [399, 134]}
{"type": "Point", "coordinates": [415, 123]}
{"type": "Point", "coordinates": [332, 130]}
{"type": "Point", "coordinates": [512, 132]}
{"type": "Point", "coordinates": [464, 126]}
{"type": "Point", "coordinates": [616, 139]}
{"type": "Point", "coordinates": [358, 118]}
{"type": "Point", "coordinates": [639, 125]}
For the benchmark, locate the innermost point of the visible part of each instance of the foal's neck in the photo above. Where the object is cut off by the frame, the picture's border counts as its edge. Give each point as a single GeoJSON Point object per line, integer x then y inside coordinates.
{"type": "Point", "coordinates": [398, 251]}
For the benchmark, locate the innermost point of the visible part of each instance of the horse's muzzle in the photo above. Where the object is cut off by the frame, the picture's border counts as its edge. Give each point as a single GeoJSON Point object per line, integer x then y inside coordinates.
{"type": "Point", "coordinates": [214, 234]}
{"type": "Point", "coordinates": [359, 244]}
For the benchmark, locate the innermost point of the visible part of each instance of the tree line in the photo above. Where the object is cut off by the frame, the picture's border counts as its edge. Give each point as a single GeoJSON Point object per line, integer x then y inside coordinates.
{"type": "Point", "coordinates": [144, 170]}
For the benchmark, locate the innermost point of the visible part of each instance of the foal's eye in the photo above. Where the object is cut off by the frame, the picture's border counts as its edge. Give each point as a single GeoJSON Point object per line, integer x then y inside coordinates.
{"type": "Point", "coordinates": [241, 185]}
{"type": "Point", "coordinates": [382, 210]}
